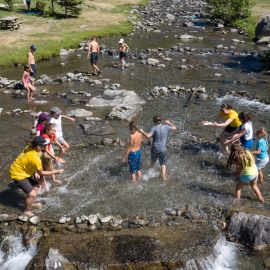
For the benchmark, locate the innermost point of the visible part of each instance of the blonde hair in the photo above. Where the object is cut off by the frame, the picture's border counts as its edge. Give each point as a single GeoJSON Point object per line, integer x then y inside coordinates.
{"type": "Point", "coordinates": [261, 131]}
{"type": "Point", "coordinates": [239, 157]}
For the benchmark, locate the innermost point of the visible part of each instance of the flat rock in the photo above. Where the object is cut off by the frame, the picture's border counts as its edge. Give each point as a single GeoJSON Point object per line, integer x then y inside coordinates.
{"type": "Point", "coordinates": [80, 113]}
{"type": "Point", "coordinates": [125, 112]}
{"type": "Point", "coordinates": [186, 36]}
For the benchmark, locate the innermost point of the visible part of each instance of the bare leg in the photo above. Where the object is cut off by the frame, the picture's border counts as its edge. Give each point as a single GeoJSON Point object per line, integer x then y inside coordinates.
{"type": "Point", "coordinates": [238, 188]}
{"type": "Point", "coordinates": [139, 174]}
{"type": "Point", "coordinates": [29, 201]}
{"type": "Point", "coordinates": [65, 145]}
{"type": "Point", "coordinates": [96, 69]}
{"type": "Point", "coordinates": [223, 137]}
{"type": "Point", "coordinates": [163, 172]}
{"type": "Point", "coordinates": [255, 188]}
{"type": "Point", "coordinates": [134, 179]}
{"type": "Point", "coordinates": [56, 181]}
{"type": "Point", "coordinates": [260, 177]}
{"type": "Point", "coordinates": [28, 93]}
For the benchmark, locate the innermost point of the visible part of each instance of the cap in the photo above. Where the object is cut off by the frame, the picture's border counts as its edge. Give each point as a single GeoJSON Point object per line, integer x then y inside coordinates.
{"type": "Point", "coordinates": [55, 110]}
{"type": "Point", "coordinates": [44, 117]}
{"type": "Point", "coordinates": [39, 140]}
{"type": "Point", "coordinates": [121, 40]}
{"type": "Point", "coordinates": [33, 47]}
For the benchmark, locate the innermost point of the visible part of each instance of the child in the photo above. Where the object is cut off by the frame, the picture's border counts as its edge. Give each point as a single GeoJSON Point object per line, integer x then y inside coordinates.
{"type": "Point", "coordinates": [262, 157]}
{"type": "Point", "coordinates": [133, 153]}
{"type": "Point", "coordinates": [49, 155]}
{"type": "Point", "coordinates": [42, 120]}
{"type": "Point", "coordinates": [246, 169]}
{"type": "Point", "coordinates": [123, 49]}
{"type": "Point", "coordinates": [56, 119]}
{"type": "Point", "coordinates": [27, 83]}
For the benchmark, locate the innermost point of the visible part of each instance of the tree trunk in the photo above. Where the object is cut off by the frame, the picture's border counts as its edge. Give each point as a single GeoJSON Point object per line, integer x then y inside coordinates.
{"type": "Point", "coordinates": [52, 7]}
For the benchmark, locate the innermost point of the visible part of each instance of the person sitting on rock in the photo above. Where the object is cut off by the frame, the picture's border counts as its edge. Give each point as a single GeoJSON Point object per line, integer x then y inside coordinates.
{"type": "Point", "coordinates": [246, 170]}
{"type": "Point", "coordinates": [27, 172]}
{"type": "Point", "coordinates": [133, 154]}
{"type": "Point", "coordinates": [27, 83]}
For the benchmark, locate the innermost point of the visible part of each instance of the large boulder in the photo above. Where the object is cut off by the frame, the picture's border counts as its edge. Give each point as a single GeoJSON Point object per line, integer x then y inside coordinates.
{"type": "Point", "coordinates": [112, 98]}
{"type": "Point", "coordinates": [80, 113]}
{"type": "Point", "coordinates": [250, 229]}
{"type": "Point", "coordinates": [263, 27]}
{"type": "Point", "coordinates": [125, 112]}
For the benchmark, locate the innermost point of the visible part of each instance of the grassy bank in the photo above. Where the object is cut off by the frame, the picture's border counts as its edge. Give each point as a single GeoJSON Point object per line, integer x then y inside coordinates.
{"type": "Point", "coordinates": [260, 9]}
{"type": "Point", "coordinates": [98, 18]}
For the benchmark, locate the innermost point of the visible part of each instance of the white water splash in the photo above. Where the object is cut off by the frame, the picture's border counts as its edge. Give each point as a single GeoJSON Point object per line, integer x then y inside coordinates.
{"type": "Point", "coordinates": [18, 256]}
{"type": "Point", "coordinates": [245, 102]}
{"type": "Point", "coordinates": [150, 174]}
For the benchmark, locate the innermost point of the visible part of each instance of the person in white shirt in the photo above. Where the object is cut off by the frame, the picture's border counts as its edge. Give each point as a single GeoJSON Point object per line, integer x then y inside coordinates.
{"type": "Point", "coordinates": [56, 119]}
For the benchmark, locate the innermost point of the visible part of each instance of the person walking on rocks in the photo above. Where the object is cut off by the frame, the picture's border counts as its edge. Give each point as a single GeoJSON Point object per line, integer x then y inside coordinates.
{"type": "Point", "coordinates": [27, 172]}
{"type": "Point", "coordinates": [231, 124]}
{"type": "Point", "coordinates": [246, 170]}
{"type": "Point", "coordinates": [123, 50]}
{"type": "Point", "coordinates": [56, 119]}
{"type": "Point", "coordinates": [159, 133]}
{"type": "Point", "coordinates": [32, 63]}
{"type": "Point", "coordinates": [262, 157]}
{"type": "Point", "coordinates": [133, 153]}
{"type": "Point", "coordinates": [28, 84]}
{"type": "Point", "coordinates": [93, 51]}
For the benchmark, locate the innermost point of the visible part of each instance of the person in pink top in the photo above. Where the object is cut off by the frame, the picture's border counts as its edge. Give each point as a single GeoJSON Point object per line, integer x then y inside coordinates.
{"type": "Point", "coordinates": [42, 120]}
{"type": "Point", "coordinates": [27, 83]}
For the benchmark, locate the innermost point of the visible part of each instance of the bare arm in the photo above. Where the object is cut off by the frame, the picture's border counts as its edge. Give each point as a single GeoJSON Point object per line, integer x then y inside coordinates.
{"type": "Point", "coordinates": [258, 151]}
{"type": "Point", "coordinates": [237, 136]}
{"type": "Point", "coordinates": [69, 118]}
{"type": "Point", "coordinates": [89, 49]}
{"type": "Point", "coordinates": [130, 144]}
{"type": "Point", "coordinates": [225, 124]}
{"type": "Point", "coordinates": [167, 122]}
{"type": "Point", "coordinates": [48, 173]}
{"type": "Point", "coordinates": [146, 135]}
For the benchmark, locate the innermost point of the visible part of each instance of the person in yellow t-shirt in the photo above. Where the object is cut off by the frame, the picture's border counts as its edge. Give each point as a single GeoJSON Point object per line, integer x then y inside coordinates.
{"type": "Point", "coordinates": [246, 170]}
{"type": "Point", "coordinates": [231, 124]}
{"type": "Point", "coordinates": [26, 171]}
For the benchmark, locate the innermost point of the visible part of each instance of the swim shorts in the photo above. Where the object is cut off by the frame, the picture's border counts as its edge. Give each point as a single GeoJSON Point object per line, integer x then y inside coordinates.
{"type": "Point", "coordinates": [27, 184]}
{"type": "Point", "coordinates": [230, 129]}
{"type": "Point", "coordinates": [261, 162]}
{"type": "Point", "coordinates": [246, 179]}
{"type": "Point", "coordinates": [122, 55]}
{"type": "Point", "coordinates": [34, 71]}
{"type": "Point", "coordinates": [134, 161]}
{"type": "Point", "coordinates": [94, 58]}
{"type": "Point", "coordinates": [161, 156]}
{"type": "Point", "coordinates": [247, 144]}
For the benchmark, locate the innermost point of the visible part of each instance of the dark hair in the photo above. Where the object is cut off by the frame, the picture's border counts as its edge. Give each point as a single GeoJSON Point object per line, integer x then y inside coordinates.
{"type": "Point", "coordinates": [48, 127]}
{"type": "Point", "coordinates": [157, 119]}
{"type": "Point", "coordinates": [26, 67]}
{"type": "Point", "coordinates": [132, 125]}
{"type": "Point", "coordinates": [225, 106]}
{"type": "Point", "coordinates": [245, 116]}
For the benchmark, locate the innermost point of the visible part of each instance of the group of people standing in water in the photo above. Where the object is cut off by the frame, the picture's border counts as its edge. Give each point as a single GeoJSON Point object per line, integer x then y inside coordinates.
{"type": "Point", "coordinates": [248, 162]}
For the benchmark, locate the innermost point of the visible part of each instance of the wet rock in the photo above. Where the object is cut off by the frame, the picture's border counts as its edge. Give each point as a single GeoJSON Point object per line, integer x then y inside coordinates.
{"type": "Point", "coordinates": [34, 220]}
{"type": "Point", "coordinates": [170, 17]}
{"type": "Point", "coordinates": [93, 219]}
{"type": "Point", "coordinates": [55, 261]}
{"type": "Point", "coordinates": [188, 24]}
{"type": "Point", "coordinates": [23, 218]}
{"type": "Point", "coordinates": [1, 110]}
{"type": "Point", "coordinates": [263, 27]}
{"type": "Point", "coordinates": [170, 212]}
{"type": "Point", "coordinates": [152, 61]}
{"type": "Point", "coordinates": [63, 52]}
{"type": "Point", "coordinates": [264, 40]}
{"type": "Point", "coordinates": [78, 220]}
{"type": "Point", "coordinates": [45, 79]}
{"type": "Point", "coordinates": [105, 220]}
{"type": "Point", "coordinates": [203, 96]}
{"type": "Point", "coordinates": [80, 113]}
{"type": "Point", "coordinates": [8, 217]}
{"type": "Point", "coordinates": [93, 119]}
{"type": "Point", "coordinates": [186, 36]}
{"type": "Point", "coordinates": [107, 141]}
{"type": "Point", "coordinates": [62, 220]}
{"type": "Point", "coordinates": [115, 86]}
{"type": "Point", "coordinates": [124, 112]}
{"type": "Point", "coordinates": [218, 75]}
{"type": "Point", "coordinates": [219, 46]}
{"type": "Point", "coordinates": [250, 229]}
{"type": "Point", "coordinates": [97, 128]}
{"type": "Point", "coordinates": [71, 75]}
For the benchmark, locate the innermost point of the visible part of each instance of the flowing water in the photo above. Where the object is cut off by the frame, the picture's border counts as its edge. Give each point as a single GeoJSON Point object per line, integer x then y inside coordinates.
{"type": "Point", "coordinates": [94, 179]}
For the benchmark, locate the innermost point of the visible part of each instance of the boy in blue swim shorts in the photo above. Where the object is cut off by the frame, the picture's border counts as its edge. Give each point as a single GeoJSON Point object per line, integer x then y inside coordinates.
{"type": "Point", "coordinates": [133, 154]}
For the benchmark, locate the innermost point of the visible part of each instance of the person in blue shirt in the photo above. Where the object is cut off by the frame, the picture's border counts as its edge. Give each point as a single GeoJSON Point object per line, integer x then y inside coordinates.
{"type": "Point", "coordinates": [262, 157]}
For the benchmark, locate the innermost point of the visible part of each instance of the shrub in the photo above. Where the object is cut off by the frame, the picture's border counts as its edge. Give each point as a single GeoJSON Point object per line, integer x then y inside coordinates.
{"type": "Point", "coordinates": [41, 5]}
{"type": "Point", "coordinates": [9, 4]}
{"type": "Point", "coordinates": [230, 10]}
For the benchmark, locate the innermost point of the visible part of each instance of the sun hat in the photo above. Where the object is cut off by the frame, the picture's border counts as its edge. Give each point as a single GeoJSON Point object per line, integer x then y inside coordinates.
{"type": "Point", "coordinates": [33, 47]}
{"type": "Point", "coordinates": [39, 140]}
{"type": "Point", "coordinates": [121, 40]}
{"type": "Point", "coordinates": [55, 110]}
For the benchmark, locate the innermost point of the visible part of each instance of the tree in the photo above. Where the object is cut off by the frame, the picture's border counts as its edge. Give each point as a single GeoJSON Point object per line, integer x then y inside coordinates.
{"type": "Point", "coordinates": [9, 4]}
{"type": "Point", "coordinates": [71, 6]}
{"type": "Point", "coordinates": [230, 10]}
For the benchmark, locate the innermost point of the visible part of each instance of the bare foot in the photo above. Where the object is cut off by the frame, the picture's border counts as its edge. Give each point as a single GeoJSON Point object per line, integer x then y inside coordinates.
{"type": "Point", "coordinates": [60, 160]}
{"type": "Point", "coordinates": [28, 213]}
{"type": "Point", "coordinates": [37, 205]}
{"type": "Point", "coordinates": [57, 181]}
{"type": "Point", "coordinates": [32, 98]}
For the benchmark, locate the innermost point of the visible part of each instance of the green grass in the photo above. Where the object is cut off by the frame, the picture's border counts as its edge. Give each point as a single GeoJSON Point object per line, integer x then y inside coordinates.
{"type": "Point", "coordinates": [50, 48]}
{"type": "Point", "coordinates": [248, 25]}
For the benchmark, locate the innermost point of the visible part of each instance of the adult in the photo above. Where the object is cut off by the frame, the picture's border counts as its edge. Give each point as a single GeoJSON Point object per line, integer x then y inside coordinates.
{"type": "Point", "coordinates": [93, 51]}
{"type": "Point", "coordinates": [133, 153]}
{"type": "Point", "coordinates": [244, 132]}
{"type": "Point", "coordinates": [123, 49]}
{"type": "Point", "coordinates": [159, 133]}
{"type": "Point", "coordinates": [231, 124]}
{"type": "Point", "coordinates": [246, 170]}
{"type": "Point", "coordinates": [27, 172]}
{"type": "Point", "coordinates": [56, 119]}
{"type": "Point", "coordinates": [31, 61]}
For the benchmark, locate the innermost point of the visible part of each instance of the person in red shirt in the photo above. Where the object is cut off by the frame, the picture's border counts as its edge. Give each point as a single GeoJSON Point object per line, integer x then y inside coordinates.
{"type": "Point", "coordinates": [49, 156]}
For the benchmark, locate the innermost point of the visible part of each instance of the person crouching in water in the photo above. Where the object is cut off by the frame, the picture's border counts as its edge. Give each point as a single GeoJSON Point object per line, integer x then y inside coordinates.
{"type": "Point", "coordinates": [27, 83]}
{"type": "Point", "coordinates": [49, 157]}
{"type": "Point", "coordinates": [246, 170]}
{"type": "Point", "coordinates": [27, 172]}
{"type": "Point", "coordinates": [133, 154]}
{"type": "Point", "coordinates": [262, 157]}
